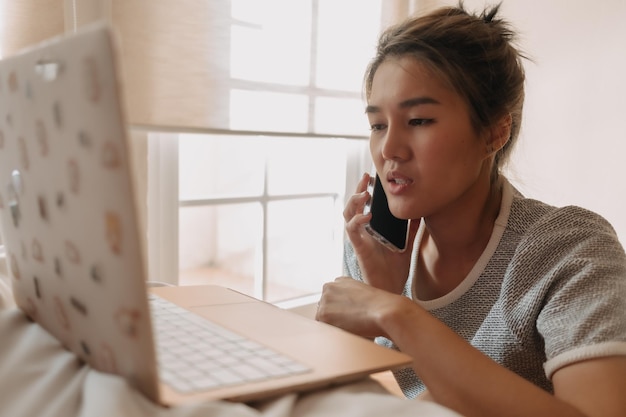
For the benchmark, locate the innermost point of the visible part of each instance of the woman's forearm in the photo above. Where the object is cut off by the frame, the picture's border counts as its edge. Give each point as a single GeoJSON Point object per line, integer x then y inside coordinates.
{"type": "Point", "coordinates": [459, 376]}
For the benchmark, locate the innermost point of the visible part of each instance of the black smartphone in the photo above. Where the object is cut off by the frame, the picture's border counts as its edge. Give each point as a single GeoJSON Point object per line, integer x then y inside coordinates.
{"type": "Point", "coordinates": [384, 226]}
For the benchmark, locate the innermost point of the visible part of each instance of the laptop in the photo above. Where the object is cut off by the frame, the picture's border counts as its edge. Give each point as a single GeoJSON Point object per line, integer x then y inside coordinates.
{"type": "Point", "coordinates": [74, 249]}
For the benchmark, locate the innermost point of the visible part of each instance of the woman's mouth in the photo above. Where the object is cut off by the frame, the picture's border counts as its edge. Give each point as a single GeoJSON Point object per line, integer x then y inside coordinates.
{"type": "Point", "coordinates": [398, 183]}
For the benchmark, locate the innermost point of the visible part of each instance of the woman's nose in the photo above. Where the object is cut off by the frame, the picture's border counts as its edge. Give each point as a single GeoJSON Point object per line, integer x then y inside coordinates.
{"type": "Point", "coordinates": [394, 146]}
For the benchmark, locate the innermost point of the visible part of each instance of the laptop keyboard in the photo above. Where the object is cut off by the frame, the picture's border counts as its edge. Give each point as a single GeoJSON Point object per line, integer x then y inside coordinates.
{"type": "Point", "coordinates": [197, 355]}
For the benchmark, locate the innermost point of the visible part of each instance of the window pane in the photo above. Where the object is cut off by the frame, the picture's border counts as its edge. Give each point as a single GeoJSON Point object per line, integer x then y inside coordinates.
{"type": "Point", "coordinates": [222, 242]}
{"type": "Point", "coordinates": [340, 114]}
{"type": "Point", "coordinates": [304, 247]}
{"type": "Point", "coordinates": [348, 30]}
{"type": "Point", "coordinates": [266, 111]}
{"type": "Point", "coordinates": [298, 166]}
{"type": "Point", "coordinates": [270, 31]}
{"type": "Point", "coordinates": [212, 166]}
{"type": "Point", "coordinates": [220, 245]}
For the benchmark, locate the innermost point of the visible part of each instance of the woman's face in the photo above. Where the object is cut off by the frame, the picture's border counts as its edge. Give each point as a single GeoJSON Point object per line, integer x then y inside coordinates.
{"type": "Point", "coordinates": [422, 142]}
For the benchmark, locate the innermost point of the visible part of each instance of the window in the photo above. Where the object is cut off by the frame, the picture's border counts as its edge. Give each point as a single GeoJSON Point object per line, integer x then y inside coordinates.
{"type": "Point", "coordinates": [259, 204]}
{"type": "Point", "coordinates": [262, 215]}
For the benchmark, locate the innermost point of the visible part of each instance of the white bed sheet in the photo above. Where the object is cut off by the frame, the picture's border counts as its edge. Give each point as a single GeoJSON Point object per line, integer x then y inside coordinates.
{"type": "Point", "coordinates": [38, 377]}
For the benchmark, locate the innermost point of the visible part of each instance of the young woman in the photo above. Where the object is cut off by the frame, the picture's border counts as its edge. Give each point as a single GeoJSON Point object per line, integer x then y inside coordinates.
{"type": "Point", "coordinates": [509, 307]}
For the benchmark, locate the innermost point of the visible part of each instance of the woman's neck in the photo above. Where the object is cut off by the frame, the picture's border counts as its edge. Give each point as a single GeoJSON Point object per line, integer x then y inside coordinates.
{"type": "Point", "coordinates": [452, 244]}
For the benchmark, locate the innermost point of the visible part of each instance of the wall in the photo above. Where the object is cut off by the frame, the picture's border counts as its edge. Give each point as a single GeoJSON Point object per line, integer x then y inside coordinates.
{"type": "Point", "coordinates": [572, 148]}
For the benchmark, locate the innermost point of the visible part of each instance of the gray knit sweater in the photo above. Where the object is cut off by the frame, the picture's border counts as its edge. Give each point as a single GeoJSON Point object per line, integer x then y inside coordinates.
{"type": "Point", "coordinates": [549, 290]}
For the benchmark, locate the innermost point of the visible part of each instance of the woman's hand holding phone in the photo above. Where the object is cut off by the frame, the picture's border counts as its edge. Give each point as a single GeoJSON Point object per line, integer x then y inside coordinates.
{"type": "Point", "coordinates": [381, 267]}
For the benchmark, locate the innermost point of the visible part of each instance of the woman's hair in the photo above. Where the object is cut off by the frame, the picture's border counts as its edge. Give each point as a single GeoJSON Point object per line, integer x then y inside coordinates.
{"type": "Point", "coordinates": [474, 54]}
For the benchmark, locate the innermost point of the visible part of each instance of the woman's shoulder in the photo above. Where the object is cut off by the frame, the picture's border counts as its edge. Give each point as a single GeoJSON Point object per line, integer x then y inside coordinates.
{"type": "Point", "coordinates": [536, 219]}
{"type": "Point", "coordinates": [548, 235]}
{"type": "Point", "coordinates": [543, 237]}
{"type": "Point", "coordinates": [558, 255]}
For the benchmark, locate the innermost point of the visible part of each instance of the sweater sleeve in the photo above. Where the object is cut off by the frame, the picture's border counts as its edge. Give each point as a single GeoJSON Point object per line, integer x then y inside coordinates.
{"type": "Point", "coordinates": [350, 262]}
{"type": "Point", "coordinates": [584, 304]}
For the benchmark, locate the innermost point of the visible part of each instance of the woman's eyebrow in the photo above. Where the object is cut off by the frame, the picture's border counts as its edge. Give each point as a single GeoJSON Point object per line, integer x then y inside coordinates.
{"type": "Point", "coordinates": [411, 102]}
{"type": "Point", "coordinates": [416, 101]}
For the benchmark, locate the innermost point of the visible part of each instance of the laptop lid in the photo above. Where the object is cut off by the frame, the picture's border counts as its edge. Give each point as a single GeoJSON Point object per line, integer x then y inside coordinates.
{"type": "Point", "coordinates": [67, 203]}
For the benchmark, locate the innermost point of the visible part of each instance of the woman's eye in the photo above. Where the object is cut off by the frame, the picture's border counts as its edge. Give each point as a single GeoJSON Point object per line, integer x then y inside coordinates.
{"type": "Point", "coordinates": [376, 127]}
{"type": "Point", "coordinates": [420, 122]}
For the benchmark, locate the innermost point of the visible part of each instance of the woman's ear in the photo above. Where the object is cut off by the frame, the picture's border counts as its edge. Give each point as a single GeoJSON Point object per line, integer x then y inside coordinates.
{"type": "Point", "coordinates": [499, 134]}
